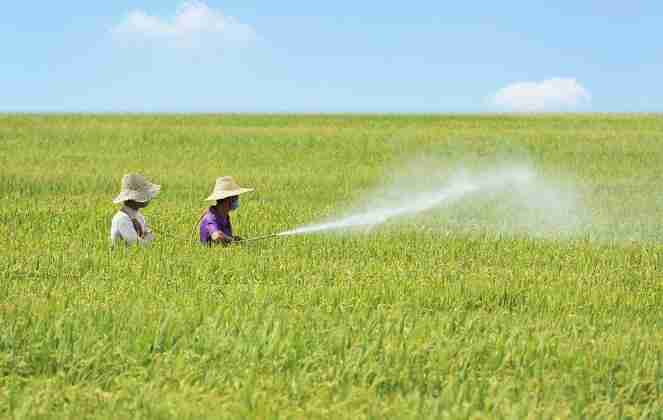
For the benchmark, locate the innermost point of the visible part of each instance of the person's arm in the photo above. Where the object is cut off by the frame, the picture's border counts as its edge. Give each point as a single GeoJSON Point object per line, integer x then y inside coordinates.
{"type": "Point", "coordinates": [148, 236]}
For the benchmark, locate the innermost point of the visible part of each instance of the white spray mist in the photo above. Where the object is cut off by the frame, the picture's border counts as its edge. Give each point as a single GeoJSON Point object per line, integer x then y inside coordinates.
{"type": "Point", "coordinates": [507, 198]}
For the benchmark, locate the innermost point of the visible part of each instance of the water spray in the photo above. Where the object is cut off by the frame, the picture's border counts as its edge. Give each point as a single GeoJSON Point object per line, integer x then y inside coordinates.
{"type": "Point", "coordinates": [537, 207]}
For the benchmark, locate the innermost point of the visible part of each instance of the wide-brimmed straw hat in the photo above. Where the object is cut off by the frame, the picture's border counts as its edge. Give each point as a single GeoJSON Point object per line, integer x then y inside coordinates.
{"type": "Point", "coordinates": [225, 187]}
{"type": "Point", "coordinates": [135, 187]}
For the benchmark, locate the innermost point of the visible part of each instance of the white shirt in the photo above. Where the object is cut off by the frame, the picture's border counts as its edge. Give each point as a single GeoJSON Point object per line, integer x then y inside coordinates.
{"type": "Point", "coordinates": [122, 229]}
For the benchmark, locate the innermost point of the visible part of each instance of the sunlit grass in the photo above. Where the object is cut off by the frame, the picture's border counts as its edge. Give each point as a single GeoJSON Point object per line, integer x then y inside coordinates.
{"type": "Point", "coordinates": [406, 321]}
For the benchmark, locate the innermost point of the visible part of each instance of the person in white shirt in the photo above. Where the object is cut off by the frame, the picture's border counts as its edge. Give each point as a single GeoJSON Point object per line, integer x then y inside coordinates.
{"type": "Point", "coordinates": [128, 225]}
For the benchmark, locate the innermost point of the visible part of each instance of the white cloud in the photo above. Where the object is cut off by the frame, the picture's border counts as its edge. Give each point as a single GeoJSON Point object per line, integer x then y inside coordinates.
{"type": "Point", "coordinates": [194, 22]}
{"type": "Point", "coordinates": [556, 94]}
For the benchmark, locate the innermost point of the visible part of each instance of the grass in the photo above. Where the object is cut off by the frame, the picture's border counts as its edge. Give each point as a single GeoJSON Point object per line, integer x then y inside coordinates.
{"type": "Point", "coordinates": [408, 321]}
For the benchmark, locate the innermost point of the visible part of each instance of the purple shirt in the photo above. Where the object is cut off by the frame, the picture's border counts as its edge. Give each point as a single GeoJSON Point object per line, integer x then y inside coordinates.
{"type": "Point", "coordinates": [211, 223]}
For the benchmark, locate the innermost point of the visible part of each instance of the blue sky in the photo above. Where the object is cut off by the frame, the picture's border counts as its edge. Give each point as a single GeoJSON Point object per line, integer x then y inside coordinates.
{"type": "Point", "coordinates": [340, 56]}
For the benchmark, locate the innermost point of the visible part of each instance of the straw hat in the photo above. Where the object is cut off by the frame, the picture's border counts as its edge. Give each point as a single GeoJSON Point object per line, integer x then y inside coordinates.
{"type": "Point", "coordinates": [226, 187]}
{"type": "Point", "coordinates": [135, 187]}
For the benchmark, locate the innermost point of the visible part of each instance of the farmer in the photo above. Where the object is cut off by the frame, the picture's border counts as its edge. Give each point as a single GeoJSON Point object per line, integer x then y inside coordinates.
{"type": "Point", "coordinates": [128, 225]}
{"type": "Point", "coordinates": [214, 224]}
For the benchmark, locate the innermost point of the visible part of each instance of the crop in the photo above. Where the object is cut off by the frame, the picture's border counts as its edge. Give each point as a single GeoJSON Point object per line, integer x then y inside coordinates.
{"type": "Point", "coordinates": [414, 320]}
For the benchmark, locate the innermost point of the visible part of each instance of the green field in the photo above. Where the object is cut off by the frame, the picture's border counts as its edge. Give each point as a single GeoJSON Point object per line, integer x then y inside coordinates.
{"type": "Point", "coordinates": [443, 316]}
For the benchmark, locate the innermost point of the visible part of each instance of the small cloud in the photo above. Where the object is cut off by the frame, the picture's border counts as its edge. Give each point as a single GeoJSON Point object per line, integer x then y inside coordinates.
{"type": "Point", "coordinates": [556, 94]}
{"type": "Point", "coordinates": [194, 22]}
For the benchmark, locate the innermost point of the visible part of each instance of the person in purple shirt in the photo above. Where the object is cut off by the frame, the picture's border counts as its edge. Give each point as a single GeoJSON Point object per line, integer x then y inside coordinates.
{"type": "Point", "coordinates": [215, 226]}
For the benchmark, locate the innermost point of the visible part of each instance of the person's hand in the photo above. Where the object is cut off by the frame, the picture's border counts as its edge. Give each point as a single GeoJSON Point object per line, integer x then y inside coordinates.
{"type": "Point", "coordinates": [222, 238]}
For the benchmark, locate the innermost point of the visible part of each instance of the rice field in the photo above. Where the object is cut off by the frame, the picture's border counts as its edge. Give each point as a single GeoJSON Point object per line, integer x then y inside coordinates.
{"type": "Point", "coordinates": [449, 315]}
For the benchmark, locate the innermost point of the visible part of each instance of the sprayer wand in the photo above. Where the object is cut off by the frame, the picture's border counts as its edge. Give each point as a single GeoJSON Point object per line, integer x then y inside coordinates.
{"type": "Point", "coordinates": [258, 238]}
